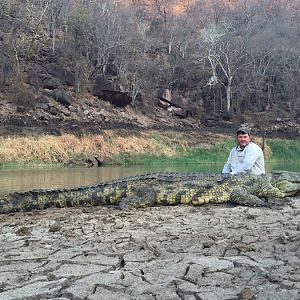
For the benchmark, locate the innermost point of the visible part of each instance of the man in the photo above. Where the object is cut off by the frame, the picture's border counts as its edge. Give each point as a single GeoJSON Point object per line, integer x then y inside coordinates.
{"type": "Point", "coordinates": [246, 157]}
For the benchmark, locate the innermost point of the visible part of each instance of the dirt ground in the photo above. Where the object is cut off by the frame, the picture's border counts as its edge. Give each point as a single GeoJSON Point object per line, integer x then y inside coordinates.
{"type": "Point", "coordinates": [180, 252]}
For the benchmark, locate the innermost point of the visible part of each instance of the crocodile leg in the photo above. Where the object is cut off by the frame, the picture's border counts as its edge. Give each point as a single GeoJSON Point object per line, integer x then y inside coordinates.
{"type": "Point", "coordinates": [138, 197]}
{"type": "Point", "coordinates": [242, 197]}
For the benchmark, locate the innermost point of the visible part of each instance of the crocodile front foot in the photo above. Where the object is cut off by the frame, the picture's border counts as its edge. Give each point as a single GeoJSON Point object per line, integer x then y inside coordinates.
{"type": "Point", "coordinates": [242, 197]}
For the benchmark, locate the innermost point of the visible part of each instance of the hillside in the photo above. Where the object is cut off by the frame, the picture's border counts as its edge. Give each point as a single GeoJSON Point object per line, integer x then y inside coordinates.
{"type": "Point", "coordinates": [66, 67]}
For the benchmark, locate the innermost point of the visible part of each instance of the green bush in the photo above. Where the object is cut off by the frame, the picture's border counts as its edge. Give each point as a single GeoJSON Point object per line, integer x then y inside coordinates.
{"type": "Point", "coordinates": [284, 149]}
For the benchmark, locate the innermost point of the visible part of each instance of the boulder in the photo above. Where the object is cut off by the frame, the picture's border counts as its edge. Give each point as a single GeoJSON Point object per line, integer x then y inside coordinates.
{"type": "Point", "coordinates": [38, 70]}
{"type": "Point", "coordinates": [53, 111]}
{"type": "Point", "coordinates": [61, 96]}
{"type": "Point", "coordinates": [35, 81]}
{"type": "Point", "coordinates": [119, 99]}
{"type": "Point", "coordinates": [164, 94]}
{"type": "Point", "coordinates": [178, 111]}
{"type": "Point", "coordinates": [111, 91]}
{"type": "Point", "coordinates": [51, 83]}
{"type": "Point", "coordinates": [100, 84]}
{"type": "Point", "coordinates": [37, 75]}
{"type": "Point", "coordinates": [65, 76]}
{"type": "Point", "coordinates": [94, 161]}
{"type": "Point", "coordinates": [42, 102]}
{"type": "Point", "coordinates": [163, 104]}
{"type": "Point", "coordinates": [177, 104]}
{"type": "Point", "coordinates": [187, 108]}
{"type": "Point", "coordinates": [180, 101]}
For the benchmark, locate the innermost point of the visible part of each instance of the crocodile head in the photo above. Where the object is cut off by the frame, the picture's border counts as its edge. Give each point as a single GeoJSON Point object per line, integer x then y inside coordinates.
{"type": "Point", "coordinates": [287, 182]}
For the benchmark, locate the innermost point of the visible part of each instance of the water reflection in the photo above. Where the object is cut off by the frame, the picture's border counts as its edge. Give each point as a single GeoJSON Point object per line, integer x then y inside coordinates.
{"type": "Point", "coordinates": [26, 179]}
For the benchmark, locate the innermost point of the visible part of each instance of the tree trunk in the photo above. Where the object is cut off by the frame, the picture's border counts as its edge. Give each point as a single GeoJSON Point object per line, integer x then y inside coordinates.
{"type": "Point", "coordinates": [228, 94]}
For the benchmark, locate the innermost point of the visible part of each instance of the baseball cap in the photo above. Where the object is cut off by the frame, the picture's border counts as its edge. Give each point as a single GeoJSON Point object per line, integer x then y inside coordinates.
{"type": "Point", "coordinates": [243, 129]}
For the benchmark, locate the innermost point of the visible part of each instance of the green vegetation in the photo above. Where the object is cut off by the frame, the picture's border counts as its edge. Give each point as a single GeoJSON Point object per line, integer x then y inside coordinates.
{"type": "Point", "coordinates": [285, 150]}
{"type": "Point", "coordinates": [278, 150]}
{"type": "Point", "coordinates": [30, 164]}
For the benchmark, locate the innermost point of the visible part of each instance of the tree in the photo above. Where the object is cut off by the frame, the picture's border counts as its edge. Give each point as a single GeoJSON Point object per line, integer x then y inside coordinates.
{"type": "Point", "coordinates": [225, 53]}
{"type": "Point", "coordinates": [54, 9]}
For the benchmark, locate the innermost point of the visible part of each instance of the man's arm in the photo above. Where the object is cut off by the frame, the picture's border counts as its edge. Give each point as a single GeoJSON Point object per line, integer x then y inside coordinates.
{"type": "Point", "coordinates": [227, 166]}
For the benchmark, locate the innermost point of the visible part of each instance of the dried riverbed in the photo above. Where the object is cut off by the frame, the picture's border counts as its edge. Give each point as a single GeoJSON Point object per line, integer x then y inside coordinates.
{"type": "Point", "coordinates": [182, 252]}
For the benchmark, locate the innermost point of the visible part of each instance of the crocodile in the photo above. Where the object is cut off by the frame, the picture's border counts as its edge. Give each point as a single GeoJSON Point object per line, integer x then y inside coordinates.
{"type": "Point", "coordinates": [161, 189]}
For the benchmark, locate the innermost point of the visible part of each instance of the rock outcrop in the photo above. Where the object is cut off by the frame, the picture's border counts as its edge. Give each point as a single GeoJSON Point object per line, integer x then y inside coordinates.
{"type": "Point", "coordinates": [111, 91]}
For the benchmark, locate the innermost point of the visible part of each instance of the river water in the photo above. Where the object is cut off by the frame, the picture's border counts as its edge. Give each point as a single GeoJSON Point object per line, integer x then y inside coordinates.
{"type": "Point", "coordinates": [12, 180]}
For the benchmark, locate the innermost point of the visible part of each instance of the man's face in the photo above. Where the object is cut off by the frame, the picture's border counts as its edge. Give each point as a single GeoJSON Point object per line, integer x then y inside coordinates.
{"type": "Point", "coordinates": [243, 139]}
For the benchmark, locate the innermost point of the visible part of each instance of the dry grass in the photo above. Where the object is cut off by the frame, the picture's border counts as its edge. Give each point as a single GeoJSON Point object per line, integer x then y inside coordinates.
{"type": "Point", "coordinates": [69, 148]}
{"type": "Point", "coordinates": [267, 150]}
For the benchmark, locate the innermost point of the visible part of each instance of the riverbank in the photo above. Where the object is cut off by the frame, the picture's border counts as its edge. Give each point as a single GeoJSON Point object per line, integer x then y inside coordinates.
{"type": "Point", "coordinates": [111, 146]}
{"type": "Point", "coordinates": [131, 147]}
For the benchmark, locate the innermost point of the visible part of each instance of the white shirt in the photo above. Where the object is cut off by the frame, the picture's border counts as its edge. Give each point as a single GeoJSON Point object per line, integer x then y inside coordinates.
{"type": "Point", "coordinates": [249, 160]}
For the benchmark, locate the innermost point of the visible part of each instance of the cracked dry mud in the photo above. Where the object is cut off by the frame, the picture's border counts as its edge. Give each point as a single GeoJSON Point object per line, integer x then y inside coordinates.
{"type": "Point", "coordinates": [180, 252]}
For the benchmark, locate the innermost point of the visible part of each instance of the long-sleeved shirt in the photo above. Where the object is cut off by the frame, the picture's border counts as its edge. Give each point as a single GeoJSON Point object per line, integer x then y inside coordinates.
{"type": "Point", "coordinates": [249, 160]}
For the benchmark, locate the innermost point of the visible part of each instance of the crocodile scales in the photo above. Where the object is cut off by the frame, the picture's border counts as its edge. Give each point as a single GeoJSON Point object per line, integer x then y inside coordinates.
{"type": "Point", "coordinates": [161, 189]}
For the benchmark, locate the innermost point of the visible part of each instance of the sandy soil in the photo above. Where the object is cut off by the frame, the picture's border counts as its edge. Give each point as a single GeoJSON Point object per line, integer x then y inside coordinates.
{"type": "Point", "coordinates": [180, 252]}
